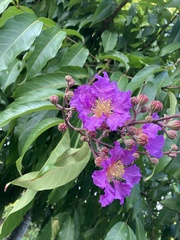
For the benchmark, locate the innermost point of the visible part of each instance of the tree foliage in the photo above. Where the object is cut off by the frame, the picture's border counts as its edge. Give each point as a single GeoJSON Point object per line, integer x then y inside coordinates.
{"type": "Point", "coordinates": [48, 172]}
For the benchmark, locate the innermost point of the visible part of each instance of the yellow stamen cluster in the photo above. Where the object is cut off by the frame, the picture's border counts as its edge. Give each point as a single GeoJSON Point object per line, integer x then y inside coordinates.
{"type": "Point", "coordinates": [102, 107]}
{"type": "Point", "coordinates": [116, 170]}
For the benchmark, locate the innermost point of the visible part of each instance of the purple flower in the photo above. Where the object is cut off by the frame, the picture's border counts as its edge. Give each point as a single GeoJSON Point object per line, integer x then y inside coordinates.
{"type": "Point", "coordinates": [102, 103]}
{"type": "Point", "coordinates": [155, 141]}
{"type": "Point", "coordinates": [118, 175]}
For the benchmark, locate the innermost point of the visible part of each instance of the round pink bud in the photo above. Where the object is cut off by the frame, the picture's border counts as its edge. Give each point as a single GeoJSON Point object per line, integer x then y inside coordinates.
{"type": "Point", "coordinates": [92, 134]}
{"type": "Point", "coordinates": [155, 106]}
{"type": "Point", "coordinates": [172, 154]}
{"type": "Point", "coordinates": [143, 99]}
{"type": "Point", "coordinates": [70, 80]}
{"type": "Point", "coordinates": [136, 155]}
{"type": "Point", "coordinates": [174, 147]}
{"type": "Point", "coordinates": [149, 118]}
{"type": "Point", "coordinates": [131, 130]}
{"type": "Point", "coordinates": [62, 127]}
{"type": "Point", "coordinates": [104, 150]}
{"type": "Point", "coordinates": [142, 139]}
{"type": "Point", "coordinates": [98, 161]}
{"type": "Point", "coordinates": [54, 99]}
{"type": "Point", "coordinates": [174, 125]}
{"type": "Point", "coordinates": [129, 143]}
{"type": "Point", "coordinates": [143, 109]}
{"type": "Point", "coordinates": [134, 101]}
{"type": "Point", "coordinates": [69, 95]}
{"type": "Point", "coordinates": [154, 160]}
{"type": "Point", "coordinates": [171, 134]}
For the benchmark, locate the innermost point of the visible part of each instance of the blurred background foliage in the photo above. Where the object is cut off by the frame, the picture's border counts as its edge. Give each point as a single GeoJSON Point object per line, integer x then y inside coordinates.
{"type": "Point", "coordinates": [42, 41]}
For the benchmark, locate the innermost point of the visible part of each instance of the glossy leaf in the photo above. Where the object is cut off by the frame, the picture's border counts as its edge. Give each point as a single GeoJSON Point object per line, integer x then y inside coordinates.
{"type": "Point", "coordinates": [169, 48]}
{"type": "Point", "coordinates": [36, 132]}
{"type": "Point", "coordinates": [4, 4]}
{"type": "Point", "coordinates": [56, 175]}
{"type": "Point", "coordinates": [109, 40]}
{"type": "Point", "coordinates": [46, 47]}
{"type": "Point", "coordinates": [15, 216]}
{"type": "Point", "coordinates": [120, 231]}
{"type": "Point", "coordinates": [173, 102]}
{"type": "Point", "coordinates": [13, 37]}
{"type": "Point", "coordinates": [140, 231]}
{"type": "Point", "coordinates": [67, 230]}
{"type": "Point", "coordinates": [21, 109]}
{"type": "Point", "coordinates": [74, 56]}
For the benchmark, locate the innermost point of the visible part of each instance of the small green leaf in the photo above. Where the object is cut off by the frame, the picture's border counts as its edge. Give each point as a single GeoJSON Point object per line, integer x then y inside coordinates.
{"type": "Point", "coordinates": [171, 203]}
{"type": "Point", "coordinates": [139, 230]}
{"type": "Point", "coordinates": [74, 56]}
{"type": "Point", "coordinates": [46, 47]}
{"type": "Point", "coordinates": [36, 132]}
{"type": "Point", "coordinates": [109, 40]}
{"type": "Point", "coordinates": [118, 56]}
{"type": "Point", "coordinates": [57, 176]}
{"type": "Point", "coordinates": [67, 230]}
{"type": "Point", "coordinates": [71, 32]}
{"type": "Point", "coordinates": [15, 216]}
{"type": "Point", "coordinates": [13, 37]}
{"type": "Point", "coordinates": [21, 109]}
{"type": "Point", "coordinates": [4, 4]}
{"type": "Point", "coordinates": [173, 102]}
{"type": "Point", "coordinates": [120, 231]}
{"type": "Point", "coordinates": [169, 48]}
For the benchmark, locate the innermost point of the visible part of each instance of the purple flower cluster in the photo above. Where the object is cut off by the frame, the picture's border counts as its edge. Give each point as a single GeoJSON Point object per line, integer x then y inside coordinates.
{"type": "Point", "coordinates": [118, 175]}
{"type": "Point", "coordinates": [102, 103]}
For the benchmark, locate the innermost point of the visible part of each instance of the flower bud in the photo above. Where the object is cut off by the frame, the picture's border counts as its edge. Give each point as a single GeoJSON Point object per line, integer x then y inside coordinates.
{"type": "Point", "coordinates": [69, 80]}
{"type": "Point", "coordinates": [129, 143]}
{"type": "Point", "coordinates": [174, 147]}
{"type": "Point", "coordinates": [134, 101]}
{"type": "Point", "coordinates": [174, 125]}
{"type": "Point", "coordinates": [154, 160]}
{"type": "Point", "coordinates": [83, 138]}
{"type": "Point", "coordinates": [172, 154]}
{"type": "Point", "coordinates": [54, 99]}
{"type": "Point", "coordinates": [136, 155]}
{"type": "Point", "coordinates": [171, 134]}
{"type": "Point", "coordinates": [143, 99]}
{"type": "Point", "coordinates": [155, 106]}
{"type": "Point", "coordinates": [131, 130]}
{"type": "Point", "coordinates": [149, 118]}
{"type": "Point", "coordinates": [143, 109]}
{"type": "Point", "coordinates": [62, 127]}
{"type": "Point", "coordinates": [98, 161]}
{"type": "Point", "coordinates": [104, 150]}
{"type": "Point", "coordinates": [142, 139]}
{"type": "Point", "coordinates": [92, 134]}
{"type": "Point", "coordinates": [69, 95]}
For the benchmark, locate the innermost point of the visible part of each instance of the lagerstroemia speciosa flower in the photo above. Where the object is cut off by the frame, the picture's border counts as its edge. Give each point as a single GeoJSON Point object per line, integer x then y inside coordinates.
{"type": "Point", "coordinates": [102, 102]}
{"type": "Point", "coordinates": [155, 141]}
{"type": "Point", "coordinates": [118, 175]}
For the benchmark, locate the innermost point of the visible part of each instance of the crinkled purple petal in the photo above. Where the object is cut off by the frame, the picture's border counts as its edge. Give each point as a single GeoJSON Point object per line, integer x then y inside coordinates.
{"type": "Point", "coordinates": [122, 190]}
{"type": "Point", "coordinates": [128, 158]}
{"type": "Point", "coordinates": [99, 178]}
{"type": "Point", "coordinates": [155, 146]}
{"type": "Point", "coordinates": [108, 197]}
{"type": "Point", "coordinates": [151, 129]}
{"type": "Point", "coordinates": [92, 123]}
{"type": "Point", "coordinates": [132, 175]}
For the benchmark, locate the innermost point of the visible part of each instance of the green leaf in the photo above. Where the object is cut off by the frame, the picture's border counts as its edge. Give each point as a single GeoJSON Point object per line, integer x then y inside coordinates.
{"type": "Point", "coordinates": [118, 56]}
{"type": "Point", "coordinates": [47, 22]}
{"type": "Point", "coordinates": [173, 102]}
{"type": "Point", "coordinates": [109, 40]}
{"type": "Point", "coordinates": [46, 47]}
{"type": "Point", "coordinates": [74, 56]}
{"type": "Point", "coordinates": [21, 109]}
{"type": "Point", "coordinates": [103, 11]}
{"type": "Point", "coordinates": [13, 11]}
{"type": "Point", "coordinates": [36, 132]}
{"type": "Point", "coordinates": [67, 230]}
{"type": "Point", "coordinates": [56, 175]}
{"type": "Point", "coordinates": [149, 90]}
{"type": "Point", "coordinates": [10, 75]}
{"type": "Point", "coordinates": [41, 84]}
{"type": "Point", "coordinates": [4, 4]}
{"type": "Point", "coordinates": [142, 75]}
{"type": "Point", "coordinates": [173, 168]}
{"type": "Point", "coordinates": [169, 48]}
{"type": "Point", "coordinates": [171, 203]}
{"type": "Point", "coordinates": [121, 80]}
{"type": "Point", "coordinates": [139, 230]}
{"type": "Point", "coordinates": [120, 231]}
{"type": "Point", "coordinates": [15, 216]}
{"type": "Point", "coordinates": [13, 37]}
{"type": "Point", "coordinates": [71, 32]}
